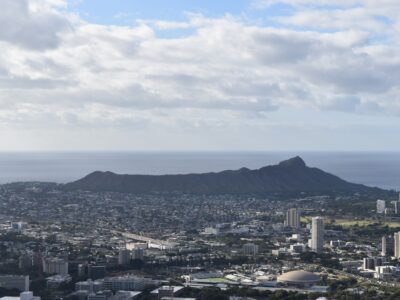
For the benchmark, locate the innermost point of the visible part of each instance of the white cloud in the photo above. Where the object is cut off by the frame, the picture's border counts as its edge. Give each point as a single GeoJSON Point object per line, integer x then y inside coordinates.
{"type": "Point", "coordinates": [34, 26]}
{"type": "Point", "coordinates": [56, 67]}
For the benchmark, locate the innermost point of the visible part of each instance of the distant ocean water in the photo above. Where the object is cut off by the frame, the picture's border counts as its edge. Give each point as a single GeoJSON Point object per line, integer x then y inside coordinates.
{"type": "Point", "coordinates": [381, 169]}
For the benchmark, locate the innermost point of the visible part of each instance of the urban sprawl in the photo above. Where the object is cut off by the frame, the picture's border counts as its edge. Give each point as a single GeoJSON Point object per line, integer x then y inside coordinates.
{"type": "Point", "coordinates": [57, 244]}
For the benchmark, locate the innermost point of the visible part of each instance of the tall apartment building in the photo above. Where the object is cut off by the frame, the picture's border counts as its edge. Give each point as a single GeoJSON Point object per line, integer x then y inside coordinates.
{"type": "Point", "coordinates": [395, 207]}
{"type": "Point", "coordinates": [317, 234]}
{"type": "Point", "coordinates": [369, 263]}
{"type": "Point", "coordinates": [293, 218]}
{"type": "Point", "coordinates": [55, 266]}
{"type": "Point", "coordinates": [397, 244]}
{"type": "Point", "coordinates": [387, 246]}
{"type": "Point", "coordinates": [250, 249]}
{"type": "Point", "coordinates": [380, 206]}
{"type": "Point", "coordinates": [124, 257]}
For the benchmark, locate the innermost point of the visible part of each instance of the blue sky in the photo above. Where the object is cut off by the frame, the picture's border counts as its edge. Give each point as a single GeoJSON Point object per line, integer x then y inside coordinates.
{"type": "Point", "coordinates": [107, 12]}
{"type": "Point", "coordinates": [127, 12]}
{"type": "Point", "coordinates": [200, 75]}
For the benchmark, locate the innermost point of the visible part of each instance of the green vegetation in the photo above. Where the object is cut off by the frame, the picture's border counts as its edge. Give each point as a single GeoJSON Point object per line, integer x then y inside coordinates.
{"type": "Point", "coordinates": [365, 223]}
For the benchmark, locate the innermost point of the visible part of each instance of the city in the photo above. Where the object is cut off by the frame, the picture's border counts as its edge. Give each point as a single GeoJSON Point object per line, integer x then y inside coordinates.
{"type": "Point", "coordinates": [199, 150]}
{"type": "Point", "coordinates": [86, 245]}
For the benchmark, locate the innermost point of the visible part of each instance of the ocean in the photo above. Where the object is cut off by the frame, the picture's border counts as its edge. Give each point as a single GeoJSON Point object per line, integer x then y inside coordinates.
{"type": "Point", "coordinates": [381, 169]}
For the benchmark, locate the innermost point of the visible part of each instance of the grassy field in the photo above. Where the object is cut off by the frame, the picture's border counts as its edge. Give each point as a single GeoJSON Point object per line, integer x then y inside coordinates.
{"type": "Point", "coordinates": [363, 223]}
{"type": "Point", "coordinates": [350, 222]}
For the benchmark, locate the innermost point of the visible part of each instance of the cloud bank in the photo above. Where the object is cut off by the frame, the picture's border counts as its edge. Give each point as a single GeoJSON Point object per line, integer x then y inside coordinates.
{"type": "Point", "coordinates": [56, 68]}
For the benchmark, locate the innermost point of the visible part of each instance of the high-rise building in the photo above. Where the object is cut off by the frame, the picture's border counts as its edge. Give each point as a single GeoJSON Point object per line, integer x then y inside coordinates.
{"type": "Point", "coordinates": [293, 218]}
{"type": "Point", "coordinates": [124, 257]}
{"type": "Point", "coordinates": [397, 244]}
{"type": "Point", "coordinates": [55, 266]}
{"type": "Point", "coordinates": [369, 263]}
{"type": "Point", "coordinates": [380, 206]}
{"type": "Point", "coordinates": [395, 207]}
{"type": "Point", "coordinates": [24, 262]}
{"type": "Point", "coordinates": [387, 246]}
{"type": "Point", "coordinates": [250, 249]}
{"type": "Point", "coordinates": [317, 234]}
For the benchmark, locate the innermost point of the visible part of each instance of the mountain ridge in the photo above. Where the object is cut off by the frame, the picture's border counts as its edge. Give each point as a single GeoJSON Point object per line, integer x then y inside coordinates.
{"type": "Point", "coordinates": [292, 175]}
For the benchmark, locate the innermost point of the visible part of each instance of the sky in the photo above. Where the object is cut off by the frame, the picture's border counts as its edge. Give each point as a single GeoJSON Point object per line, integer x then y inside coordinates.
{"type": "Point", "coordinates": [199, 75]}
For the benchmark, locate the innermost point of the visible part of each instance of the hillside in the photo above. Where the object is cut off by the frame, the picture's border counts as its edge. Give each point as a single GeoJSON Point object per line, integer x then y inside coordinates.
{"type": "Point", "coordinates": [288, 176]}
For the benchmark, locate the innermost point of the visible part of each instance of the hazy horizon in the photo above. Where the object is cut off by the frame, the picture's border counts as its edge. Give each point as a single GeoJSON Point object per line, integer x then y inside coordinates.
{"type": "Point", "coordinates": [380, 169]}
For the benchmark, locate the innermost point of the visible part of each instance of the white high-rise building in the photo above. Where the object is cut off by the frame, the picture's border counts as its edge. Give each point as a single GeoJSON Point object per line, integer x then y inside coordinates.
{"type": "Point", "coordinates": [397, 244]}
{"type": "Point", "coordinates": [317, 234]}
{"type": "Point", "coordinates": [395, 206]}
{"type": "Point", "coordinates": [380, 206]}
{"type": "Point", "coordinates": [293, 218]}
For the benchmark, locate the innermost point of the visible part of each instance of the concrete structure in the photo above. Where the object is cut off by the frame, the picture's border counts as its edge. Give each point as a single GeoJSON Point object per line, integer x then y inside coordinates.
{"type": "Point", "coordinates": [299, 278]}
{"type": "Point", "coordinates": [89, 286]}
{"type": "Point", "coordinates": [397, 244]}
{"type": "Point", "coordinates": [380, 206]}
{"type": "Point", "coordinates": [395, 207]}
{"type": "Point", "coordinates": [250, 249]}
{"type": "Point", "coordinates": [293, 218]}
{"type": "Point", "coordinates": [298, 248]}
{"type": "Point", "coordinates": [96, 272]}
{"type": "Point", "coordinates": [127, 283]}
{"type": "Point", "coordinates": [103, 295]}
{"type": "Point", "coordinates": [24, 262]}
{"type": "Point", "coordinates": [18, 226]}
{"type": "Point", "coordinates": [337, 244]}
{"type": "Point", "coordinates": [126, 295]}
{"type": "Point", "coordinates": [15, 282]}
{"type": "Point", "coordinates": [138, 253]}
{"type": "Point", "coordinates": [370, 263]}
{"type": "Point", "coordinates": [165, 291]}
{"type": "Point", "coordinates": [55, 266]}
{"type": "Point", "coordinates": [387, 246]}
{"type": "Point", "coordinates": [317, 234]}
{"type": "Point", "coordinates": [22, 296]}
{"type": "Point", "coordinates": [386, 272]}
{"type": "Point", "coordinates": [211, 231]}
{"type": "Point", "coordinates": [55, 281]}
{"type": "Point", "coordinates": [124, 257]}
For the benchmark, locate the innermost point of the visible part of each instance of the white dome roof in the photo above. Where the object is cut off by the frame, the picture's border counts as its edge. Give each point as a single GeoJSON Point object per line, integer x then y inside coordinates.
{"type": "Point", "coordinates": [299, 276]}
